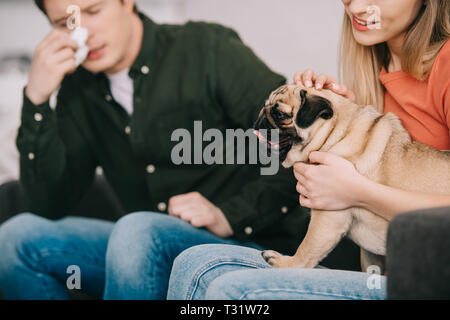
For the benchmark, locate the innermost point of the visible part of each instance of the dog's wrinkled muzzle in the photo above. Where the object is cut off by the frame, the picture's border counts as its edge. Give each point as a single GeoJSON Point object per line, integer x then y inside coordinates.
{"type": "Point", "coordinates": [262, 129]}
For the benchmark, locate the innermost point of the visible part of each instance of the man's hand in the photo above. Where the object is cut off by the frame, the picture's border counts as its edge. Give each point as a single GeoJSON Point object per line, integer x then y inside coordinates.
{"type": "Point", "coordinates": [200, 212]}
{"type": "Point", "coordinates": [54, 58]}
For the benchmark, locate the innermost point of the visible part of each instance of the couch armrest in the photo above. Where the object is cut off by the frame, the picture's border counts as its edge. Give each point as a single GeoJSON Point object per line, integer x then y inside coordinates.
{"type": "Point", "coordinates": [418, 255]}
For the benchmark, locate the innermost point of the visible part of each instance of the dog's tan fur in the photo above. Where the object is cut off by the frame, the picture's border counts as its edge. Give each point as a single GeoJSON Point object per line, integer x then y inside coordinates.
{"type": "Point", "coordinates": [380, 148]}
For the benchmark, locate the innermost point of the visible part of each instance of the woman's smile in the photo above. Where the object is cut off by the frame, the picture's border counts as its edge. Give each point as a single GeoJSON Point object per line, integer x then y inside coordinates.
{"type": "Point", "coordinates": [364, 25]}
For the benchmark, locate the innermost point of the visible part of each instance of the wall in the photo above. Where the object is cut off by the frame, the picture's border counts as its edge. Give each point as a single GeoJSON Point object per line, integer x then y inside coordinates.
{"type": "Point", "coordinates": [289, 35]}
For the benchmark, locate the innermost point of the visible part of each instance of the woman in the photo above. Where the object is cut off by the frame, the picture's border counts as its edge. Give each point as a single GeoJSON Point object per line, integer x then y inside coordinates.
{"type": "Point", "coordinates": [395, 55]}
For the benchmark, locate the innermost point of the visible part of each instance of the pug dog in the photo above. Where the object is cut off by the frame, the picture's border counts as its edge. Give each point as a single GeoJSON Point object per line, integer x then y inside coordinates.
{"type": "Point", "coordinates": [380, 149]}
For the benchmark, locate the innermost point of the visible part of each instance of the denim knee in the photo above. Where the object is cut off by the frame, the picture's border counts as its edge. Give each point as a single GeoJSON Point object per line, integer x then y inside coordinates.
{"type": "Point", "coordinates": [133, 234]}
{"type": "Point", "coordinates": [198, 266]}
{"type": "Point", "coordinates": [225, 287]}
{"type": "Point", "coordinates": [188, 269]}
{"type": "Point", "coordinates": [16, 234]}
{"type": "Point", "coordinates": [20, 229]}
{"type": "Point", "coordinates": [130, 228]}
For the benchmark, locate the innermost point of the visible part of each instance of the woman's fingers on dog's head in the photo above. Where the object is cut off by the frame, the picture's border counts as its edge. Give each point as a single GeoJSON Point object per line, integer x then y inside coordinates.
{"type": "Point", "coordinates": [349, 94]}
{"type": "Point", "coordinates": [308, 78]}
{"type": "Point", "coordinates": [324, 81]}
{"type": "Point", "coordinates": [298, 79]}
{"type": "Point", "coordinates": [343, 90]}
{"type": "Point", "coordinates": [321, 79]}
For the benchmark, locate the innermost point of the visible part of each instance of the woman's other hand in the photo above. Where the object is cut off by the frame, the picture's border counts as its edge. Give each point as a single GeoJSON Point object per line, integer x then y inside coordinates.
{"type": "Point", "coordinates": [309, 79]}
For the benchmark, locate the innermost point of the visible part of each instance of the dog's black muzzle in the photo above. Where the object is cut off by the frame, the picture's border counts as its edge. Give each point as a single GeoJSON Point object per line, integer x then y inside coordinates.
{"type": "Point", "coordinates": [285, 139]}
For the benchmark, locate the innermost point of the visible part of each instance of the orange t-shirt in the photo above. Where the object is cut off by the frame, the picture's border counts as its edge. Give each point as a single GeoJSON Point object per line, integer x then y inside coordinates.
{"type": "Point", "coordinates": [423, 106]}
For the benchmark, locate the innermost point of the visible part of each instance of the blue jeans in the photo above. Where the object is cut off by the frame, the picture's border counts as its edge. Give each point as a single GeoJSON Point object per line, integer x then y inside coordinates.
{"type": "Point", "coordinates": [227, 272]}
{"type": "Point", "coordinates": [131, 259]}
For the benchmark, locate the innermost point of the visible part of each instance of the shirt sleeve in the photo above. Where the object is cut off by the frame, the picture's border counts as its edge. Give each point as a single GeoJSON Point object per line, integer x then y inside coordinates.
{"type": "Point", "coordinates": [244, 82]}
{"type": "Point", "coordinates": [260, 204]}
{"type": "Point", "coordinates": [446, 101]}
{"type": "Point", "coordinates": [447, 107]}
{"type": "Point", "coordinates": [440, 82]}
{"type": "Point", "coordinates": [56, 164]}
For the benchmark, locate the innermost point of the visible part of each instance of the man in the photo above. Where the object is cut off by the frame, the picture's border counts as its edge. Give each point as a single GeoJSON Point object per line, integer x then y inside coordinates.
{"type": "Point", "coordinates": [140, 82]}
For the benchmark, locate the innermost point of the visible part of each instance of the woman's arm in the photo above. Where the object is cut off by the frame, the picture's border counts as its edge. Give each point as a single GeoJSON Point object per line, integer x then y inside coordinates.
{"type": "Point", "coordinates": [334, 184]}
{"type": "Point", "coordinates": [388, 202]}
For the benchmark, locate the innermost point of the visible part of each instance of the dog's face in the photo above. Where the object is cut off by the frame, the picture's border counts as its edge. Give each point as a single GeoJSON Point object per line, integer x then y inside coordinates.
{"type": "Point", "coordinates": [297, 113]}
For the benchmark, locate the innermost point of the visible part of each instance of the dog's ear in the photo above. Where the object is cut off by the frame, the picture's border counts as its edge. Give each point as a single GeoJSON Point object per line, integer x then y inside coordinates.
{"type": "Point", "coordinates": [311, 108]}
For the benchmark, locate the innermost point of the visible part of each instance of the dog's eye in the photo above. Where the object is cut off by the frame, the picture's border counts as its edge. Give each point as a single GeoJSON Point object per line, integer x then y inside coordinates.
{"type": "Point", "coordinates": [278, 115]}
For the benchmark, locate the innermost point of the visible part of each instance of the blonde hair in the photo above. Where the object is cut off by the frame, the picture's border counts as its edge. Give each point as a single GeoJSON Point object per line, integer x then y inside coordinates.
{"type": "Point", "coordinates": [360, 66]}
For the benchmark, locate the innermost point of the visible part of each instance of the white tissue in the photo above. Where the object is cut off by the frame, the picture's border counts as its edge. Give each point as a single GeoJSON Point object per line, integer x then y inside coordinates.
{"type": "Point", "coordinates": [80, 35]}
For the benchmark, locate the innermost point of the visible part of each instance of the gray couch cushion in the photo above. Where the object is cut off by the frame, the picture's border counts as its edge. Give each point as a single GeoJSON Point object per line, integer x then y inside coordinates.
{"type": "Point", "coordinates": [418, 255]}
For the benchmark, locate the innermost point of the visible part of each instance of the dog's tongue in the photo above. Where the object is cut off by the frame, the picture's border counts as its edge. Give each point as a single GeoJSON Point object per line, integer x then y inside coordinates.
{"type": "Point", "coordinates": [259, 135]}
{"type": "Point", "coordinates": [261, 138]}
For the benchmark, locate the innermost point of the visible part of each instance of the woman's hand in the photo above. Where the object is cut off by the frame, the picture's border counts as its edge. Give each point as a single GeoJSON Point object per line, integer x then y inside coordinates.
{"type": "Point", "coordinates": [322, 81]}
{"type": "Point", "coordinates": [333, 184]}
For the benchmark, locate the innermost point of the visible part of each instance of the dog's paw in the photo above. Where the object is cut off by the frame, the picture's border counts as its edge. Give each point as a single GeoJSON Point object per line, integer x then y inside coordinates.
{"type": "Point", "coordinates": [270, 255]}
{"type": "Point", "coordinates": [276, 260]}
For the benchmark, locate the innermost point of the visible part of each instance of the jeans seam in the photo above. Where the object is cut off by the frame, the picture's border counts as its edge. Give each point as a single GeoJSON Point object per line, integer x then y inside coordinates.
{"type": "Point", "coordinates": [212, 265]}
{"type": "Point", "coordinates": [326, 294]}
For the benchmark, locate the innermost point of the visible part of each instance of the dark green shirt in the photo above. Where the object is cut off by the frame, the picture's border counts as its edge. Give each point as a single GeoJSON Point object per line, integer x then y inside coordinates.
{"type": "Point", "coordinates": [183, 73]}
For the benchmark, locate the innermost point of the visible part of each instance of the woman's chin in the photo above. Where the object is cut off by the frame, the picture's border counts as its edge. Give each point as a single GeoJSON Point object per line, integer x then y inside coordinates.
{"type": "Point", "coordinates": [367, 40]}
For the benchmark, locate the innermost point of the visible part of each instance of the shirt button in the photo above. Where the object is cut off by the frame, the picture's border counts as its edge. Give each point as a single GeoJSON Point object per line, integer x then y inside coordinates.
{"type": "Point", "coordinates": [145, 69]}
{"type": "Point", "coordinates": [108, 98]}
{"type": "Point", "coordinates": [284, 209]}
{"type": "Point", "coordinates": [248, 230]}
{"type": "Point", "coordinates": [31, 156]}
{"type": "Point", "coordinates": [127, 130]}
{"type": "Point", "coordinates": [151, 168]}
{"type": "Point", "coordinates": [38, 117]}
{"type": "Point", "coordinates": [99, 171]}
{"type": "Point", "coordinates": [162, 206]}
